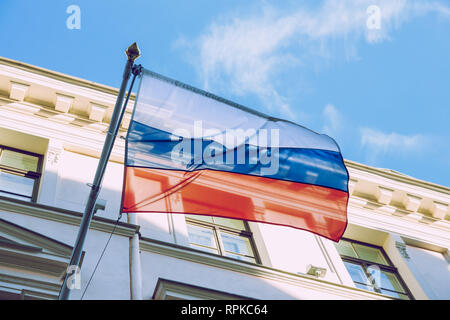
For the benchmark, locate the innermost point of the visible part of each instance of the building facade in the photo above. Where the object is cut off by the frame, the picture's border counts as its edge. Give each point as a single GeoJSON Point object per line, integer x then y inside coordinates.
{"type": "Point", "coordinates": [52, 128]}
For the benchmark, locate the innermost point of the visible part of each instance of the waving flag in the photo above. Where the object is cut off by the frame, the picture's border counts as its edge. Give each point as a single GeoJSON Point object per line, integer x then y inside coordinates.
{"type": "Point", "coordinates": [188, 151]}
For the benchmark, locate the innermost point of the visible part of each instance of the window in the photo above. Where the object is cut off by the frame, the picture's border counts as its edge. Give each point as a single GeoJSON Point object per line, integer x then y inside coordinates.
{"type": "Point", "coordinates": [371, 269]}
{"type": "Point", "coordinates": [20, 172]}
{"type": "Point", "coordinates": [173, 290]}
{"type": "Point", "coordinates": [227, 237]}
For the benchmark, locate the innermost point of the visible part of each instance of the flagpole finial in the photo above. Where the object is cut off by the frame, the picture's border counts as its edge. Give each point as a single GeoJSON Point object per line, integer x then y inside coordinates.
{"type": "Point", "coordinates": [133, 52]}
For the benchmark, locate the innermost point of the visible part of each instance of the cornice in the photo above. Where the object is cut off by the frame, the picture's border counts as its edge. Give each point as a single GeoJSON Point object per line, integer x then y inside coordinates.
{"type": "Point", "coordinates": [397, 176]}
{"type": "Point", "coordinates": [55, 248]}
{"type": "Point", "coordinates": [66, 216]}
{"type": "Point", "coordinates": [43, 287]}
{"type": "Point", "coordinates": [259, 271]}
{"type": "Point", "coordinates": [18, 259]}
{"type": "Point", "coordinates": [392, 220]}
{"type": "Point", "coordinates": [62, 77]}
{"type": "Point", "coordinates": [182, 290]}
{"type": "Point", "coordinates": [60, 97]}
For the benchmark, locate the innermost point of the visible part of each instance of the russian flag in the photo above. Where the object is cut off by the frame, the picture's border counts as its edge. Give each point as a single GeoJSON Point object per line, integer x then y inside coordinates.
{"type": "Point", "coordinates": [189, 151]}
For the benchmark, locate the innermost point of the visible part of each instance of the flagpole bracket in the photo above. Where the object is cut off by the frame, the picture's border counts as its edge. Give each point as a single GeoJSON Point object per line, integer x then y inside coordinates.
{"type": "Point", "coordinates": [92, 186]}
{"type": "Point", "coordinates": [137, 70]}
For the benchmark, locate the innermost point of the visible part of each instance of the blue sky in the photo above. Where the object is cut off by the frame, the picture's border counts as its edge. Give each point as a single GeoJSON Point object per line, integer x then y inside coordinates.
{"type": "Point", "coordinates": [382, 93]}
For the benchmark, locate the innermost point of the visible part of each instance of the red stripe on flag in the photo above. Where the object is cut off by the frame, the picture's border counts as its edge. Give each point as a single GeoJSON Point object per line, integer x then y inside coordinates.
{"type": "Point", "coordinates": [308, 207]}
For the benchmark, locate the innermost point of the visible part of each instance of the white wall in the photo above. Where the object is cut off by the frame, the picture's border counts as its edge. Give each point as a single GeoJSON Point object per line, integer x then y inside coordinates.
{"type": "Point", "coordinates": [156, 266]}
{"type": "Point", "coordinates": [75, 172]}
{"type": "Point", "coordinates": [432, 270]}
{"type": "Point", "coordinates": [293, 250]}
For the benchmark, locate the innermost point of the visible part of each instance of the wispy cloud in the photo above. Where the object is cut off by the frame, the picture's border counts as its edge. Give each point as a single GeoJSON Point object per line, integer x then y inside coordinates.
{"type": "Point", "coordinates": [377, 144]}
{"type": "Point", "coordinates": [248, 54]}
{"type": "Point", "coordinates": [333, 120]}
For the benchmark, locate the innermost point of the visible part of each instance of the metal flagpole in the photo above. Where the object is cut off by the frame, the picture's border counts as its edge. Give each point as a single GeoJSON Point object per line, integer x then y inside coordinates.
{"type": "Point", "coordinates": [132, 54]}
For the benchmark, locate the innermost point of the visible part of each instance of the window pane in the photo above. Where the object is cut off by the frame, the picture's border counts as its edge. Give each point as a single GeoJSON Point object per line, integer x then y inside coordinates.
{"type": "Point", "coordinates": [236, 244]}
{"type": "Point", "coordinates": [16, 184]}
{"type": "Point", "coordinates": [345, 249]}
{"type": "Point", "coordinates": [370, 254]}
{"type": "Point", "coordinates": [232, 223]}
{"type": "Point", "coordinates": [199, 217]}
{"type": "Point", "coordinates": [357, 273]}
{"type": "Point", "coordinates": [388, 280]}
{"type": "Point", "coordinates": [18, 160]}
{"type": "Point", "coordinates": [204, 237]}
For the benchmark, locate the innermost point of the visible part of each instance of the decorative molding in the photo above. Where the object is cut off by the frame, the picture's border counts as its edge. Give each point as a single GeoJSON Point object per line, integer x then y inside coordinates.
{"type": "Point", "coordinates": [96, 112]}
{"type": "Point", "coordinates": [256, 270]}
{"type": "Point", "coordinates": [126, 120]}
{"type": "Point", "coordinates": [351, 185]}
{"type": "Point", "coordinates": [169, 290]}
{"type": "Point", "coordinates": [411, 202]}
{"type": "Point", "coordinates": [33, 263]}
{"type": "Point", "coordinates": [22, 107]}
{"type": "Point", "coordinates": [402, 249]}
{"type": "Point", "coordinates": [97, 126]}
{"type": "Point", "coordinates": [407, 225]}
{"type": "Point", "coordinates": [394, 176]}
{"type": "Point", "coordinates": [18, 91]}
{"type": "Point", "coordinates": [32, 285]}
{"type": "Point", "coordinates": [60, 77]}
{"type": "Point", "coordinates": [384, 194]}
{"type": "Point", "coordinates": [63, 103]}
{"type": "Point", "coordinates": [53, 156]}
{"type": "Point", "coordinates": [66, 216]}
{"type": "Point", "coordinates": [63, 118]}
{"type": "Point", "coordinates": [15, 232]}
{"type": "Point", "coordinates": [440, 209]}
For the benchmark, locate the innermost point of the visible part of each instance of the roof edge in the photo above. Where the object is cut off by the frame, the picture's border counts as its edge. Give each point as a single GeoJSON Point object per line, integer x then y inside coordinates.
{"type": "Point", "coordinates": [397, 176]}
{"type": "Point", "coordinates": [62, 77]}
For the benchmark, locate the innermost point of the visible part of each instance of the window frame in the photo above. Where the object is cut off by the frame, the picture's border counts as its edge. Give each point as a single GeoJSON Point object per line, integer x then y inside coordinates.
{"type": "Point", "coordinates": [365, 264]}
{"type": "Point", "coordinates": [217, 228]}
{"type": "Point", "coordinates": [35, 175]}
{"type": "Point", "coordinates": [166, 289]}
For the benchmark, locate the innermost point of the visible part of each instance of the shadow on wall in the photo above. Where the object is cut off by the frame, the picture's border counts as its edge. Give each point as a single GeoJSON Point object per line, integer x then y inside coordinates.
{"type": "Point", "coordinates": [67, 185]}
{"type": "Point", "coordinates": [432, 272]}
